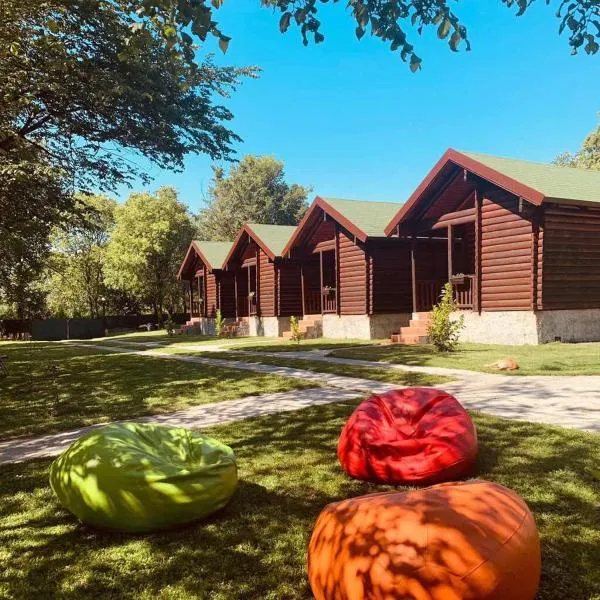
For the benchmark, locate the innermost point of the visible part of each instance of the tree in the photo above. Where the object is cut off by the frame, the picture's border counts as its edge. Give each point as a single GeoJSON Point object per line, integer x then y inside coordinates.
{"type": "Point", "coordinates": [75, 278]}
{"type": "Point", "coordinates": [587, 157]}
{"type": "Point", "coordinates": [389, 20]}
{"type": "Point", "coordinates": [255, 190]}
{"type": "Point", "coordinates": [151, 235]}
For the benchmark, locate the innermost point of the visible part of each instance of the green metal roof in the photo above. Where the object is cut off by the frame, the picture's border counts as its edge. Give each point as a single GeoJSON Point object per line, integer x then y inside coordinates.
{"type": "Point", "coordinates": [275, 237]}
{"type": "Point", "coordinates": [214, 252]}
{"type": "Point", "coordinates": [370, 217]}
{"type": "Point", "coordinates": [566, 183]}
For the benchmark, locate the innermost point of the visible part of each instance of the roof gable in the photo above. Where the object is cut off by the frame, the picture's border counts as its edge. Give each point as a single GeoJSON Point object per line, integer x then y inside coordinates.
{"type": "Point", "coordinates": [212, 254]}
{"type": "Point", "coordinates": [535, 182]}
{"type": "Point", "coordinates": [270, 238]}
{"type": "Point", "coordinates": [362, 218]}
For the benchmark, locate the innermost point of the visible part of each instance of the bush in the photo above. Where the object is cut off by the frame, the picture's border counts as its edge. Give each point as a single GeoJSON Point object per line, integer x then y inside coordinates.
{"type": "Point", "coordinates": [219, 323]}
{"type": "Point", "coordinates": [295, 327]}
{"type": "Point", "coordinates": [443, 331]}
{"type": "Point", "coordinates": [170, 326]}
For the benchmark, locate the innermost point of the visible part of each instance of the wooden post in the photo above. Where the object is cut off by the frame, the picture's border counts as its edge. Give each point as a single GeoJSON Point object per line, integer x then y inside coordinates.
{"type": "Point", "coordinates": [336, 266]}
{"type": "Point", "coordinates": [235, 293]}
{"type": "Point", "coordinates": [321, 280]}
{"type": "Point", "coordinates": [191, 297]}
{"type": "Point", "coordinates": [477, 291]}
{"type": "Point", "coordinates": [450, 245]}
{"type": "Point", "coordinates": [413, 273]}
{"type": "Point", "coordinates": [302, 288]}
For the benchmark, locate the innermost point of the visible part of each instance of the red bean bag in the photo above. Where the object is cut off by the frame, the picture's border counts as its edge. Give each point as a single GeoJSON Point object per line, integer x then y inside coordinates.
{"type": "Point", "coordinates": [470, 540]}
{"type": "Point", "coordinates": [409, 436]}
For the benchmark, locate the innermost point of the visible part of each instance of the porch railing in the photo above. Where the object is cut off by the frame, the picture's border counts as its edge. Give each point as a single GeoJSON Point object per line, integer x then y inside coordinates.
{"type": "Point", "coordinates": [428, 293]}
{"type": "Point", "coordinates": [252, 308]}
{"type": "Point", "coordinates": [464, 290]}
{"type": "Point", "coordinates": [196, 307]}
{"type": "Point", "coordinates": [329, 300]}
{"type": "Point", "coordinates": [312, 303]}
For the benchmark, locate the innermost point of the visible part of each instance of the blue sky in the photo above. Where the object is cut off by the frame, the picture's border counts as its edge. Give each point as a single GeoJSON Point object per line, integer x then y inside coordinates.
{"type": "Point", "coordinates": [349, 119]}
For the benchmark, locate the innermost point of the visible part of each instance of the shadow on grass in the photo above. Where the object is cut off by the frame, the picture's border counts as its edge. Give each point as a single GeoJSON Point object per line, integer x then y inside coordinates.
{"type": "Point", "coordinates": [51, 387]}
{"type": "Point", "coordinates": [256, 547]}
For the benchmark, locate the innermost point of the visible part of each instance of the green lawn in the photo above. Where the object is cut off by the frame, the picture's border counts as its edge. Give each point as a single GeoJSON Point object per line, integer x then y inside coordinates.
{"type": "Point", "coordinates": [255, 549]}
{"type": "Point", "coordinates": [264, 344]}
{"type": "Point", "coordinates": [56, 387]}
{"type": "Point", "coordinates": [386, 375]}
{"type": "Point", "coordinates": [546, 359]}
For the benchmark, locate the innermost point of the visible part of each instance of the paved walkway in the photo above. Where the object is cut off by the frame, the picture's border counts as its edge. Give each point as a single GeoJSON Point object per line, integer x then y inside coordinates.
{"type": "Point", "coordinates": [558, 400]}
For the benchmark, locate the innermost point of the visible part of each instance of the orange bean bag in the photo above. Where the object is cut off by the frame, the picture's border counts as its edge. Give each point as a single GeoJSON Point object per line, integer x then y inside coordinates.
{"type": "Point", "coordinates": [410, 436]}
{"type": "Point", "coordinates": [470, 540]}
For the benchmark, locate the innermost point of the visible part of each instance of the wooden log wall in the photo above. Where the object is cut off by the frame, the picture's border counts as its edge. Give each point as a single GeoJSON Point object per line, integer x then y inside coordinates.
{"type": "Point", "coordinates": [506, 254]}
{"type": "Point", "coordinates": [266, 286]}
{"type": "Point", "coordinates": [323, 237]}
{"type": "Point", "coordinates": [289, 288]}
{"type": "Point", "coordinates": [226, 294]}
{"type": "Point", "coordinates": [352, 261]}
{"type": "Point", "coordinates": [211, 302]}
{"type": "Point", "coordinates": [571, 258]}
{"type": "Point", "coordinates": [390, 278]}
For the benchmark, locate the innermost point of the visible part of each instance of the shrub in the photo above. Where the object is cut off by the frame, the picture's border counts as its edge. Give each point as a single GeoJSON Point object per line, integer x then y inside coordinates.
{"type": "Point", "coordinates": [295, 327]}
{"type": "Point", "coordinates": [219, 323]}
{"type": "Point", "coordinates": [170, 326]}
{"type": "Point", "coordinates": [443, 331]}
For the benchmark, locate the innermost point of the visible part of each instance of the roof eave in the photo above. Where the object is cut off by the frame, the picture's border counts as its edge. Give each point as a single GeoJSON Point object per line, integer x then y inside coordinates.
{"type": "Point", "coordinates": [321, 203]}
{"type": "Point", "coordinates": [466, 162]}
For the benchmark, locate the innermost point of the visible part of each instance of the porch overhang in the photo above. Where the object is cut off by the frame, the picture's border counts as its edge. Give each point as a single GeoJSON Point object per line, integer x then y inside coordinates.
{"type": "Point", "coordinates": [304, 226]}
{"type": "Point", "coordinates": [194, 250]}
{"type": "Point", "coordinates": [469, 165]}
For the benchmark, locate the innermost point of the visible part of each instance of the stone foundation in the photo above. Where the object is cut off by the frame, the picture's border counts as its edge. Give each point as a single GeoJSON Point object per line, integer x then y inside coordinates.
{"type": "Point", "coordinates": [516, 327]}
{"type": "Point", "coordinates": [363, 327]}
{"type": "Point", "coordinates": [581, 325]}
{"type": "Point", "coordinates": [267, 326]}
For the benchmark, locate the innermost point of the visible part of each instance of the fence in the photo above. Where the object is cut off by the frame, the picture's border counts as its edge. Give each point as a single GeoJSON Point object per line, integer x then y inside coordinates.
{"type": "Point", "coordinates": [64, 329]}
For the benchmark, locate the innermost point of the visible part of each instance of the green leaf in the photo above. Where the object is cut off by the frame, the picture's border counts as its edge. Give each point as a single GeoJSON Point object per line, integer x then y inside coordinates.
{"type": "Point", "coordinates": [224, 43]}
{"type": "Point", "coordinates": [284, 22]}
{"type": "Point", "coordinates": [53, 26]}
{"type": "Point", "coordinates": [455, 41]}
{"type": "Point", "coordinates": [359, 32]}
{"type": "Point", "coordinates": [415, 63]}
{"type": "Point", "coordinates": [444, 29]}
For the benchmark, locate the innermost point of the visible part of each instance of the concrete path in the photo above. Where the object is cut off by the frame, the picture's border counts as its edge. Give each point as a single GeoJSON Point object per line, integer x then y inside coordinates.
{"type": "Point", "coordinates": [558, 400]}
{"type": "Point", "coordinates": [197, 417]}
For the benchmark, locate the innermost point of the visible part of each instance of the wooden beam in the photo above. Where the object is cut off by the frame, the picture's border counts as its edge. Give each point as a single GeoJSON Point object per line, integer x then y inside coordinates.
{"type": "Point", "coordinates": [450, 244]}
{"type": "Point", "coordinates": [477, 291]}
{"type": "Point", "coordinates": [302, 288]}
{"type": "Point", "coordinates": [336, 266]}
{"type": "Point", "coordinates": [413, 273]}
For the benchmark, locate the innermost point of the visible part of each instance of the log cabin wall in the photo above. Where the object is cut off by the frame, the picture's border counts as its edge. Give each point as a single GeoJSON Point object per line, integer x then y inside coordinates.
{"type": "Point", "coordinates": [226, 291]}
{"type": "Point", "coordinates": [571, 257]}
{"type": "Point", "coordinates": [390, 278]}
{"type": "Point", "coordinates": [289, 288]}
{"type": "Point", "coordinates": [266, 286]}
{"type": "Point", "coordinates": [352, 274]}
{"type": "Point", "coordinates": [211, 301]}
{"type": "Point", "coordinates": [506, 254]}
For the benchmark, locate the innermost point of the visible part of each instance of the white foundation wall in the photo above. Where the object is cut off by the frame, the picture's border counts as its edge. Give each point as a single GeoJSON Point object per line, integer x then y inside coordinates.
{"type": "Point", "coordinates": [513, 327]}
{"type": "Point", "coordinates": [362, 327]}
{"type": "Point", "coordinates": [268, 326]}
{"type": "Point", "coordinates": [582, 325]}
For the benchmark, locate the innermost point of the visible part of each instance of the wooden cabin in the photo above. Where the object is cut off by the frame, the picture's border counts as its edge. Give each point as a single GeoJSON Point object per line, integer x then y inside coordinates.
{"type": "Point", "coordinates": [520, 241]}
{"type": "Point", "coordinates": [209, 288]}
{"type": "Point", "coordinates": [266, 287]}
{"type": "Point", "coordinates": [353, 278]}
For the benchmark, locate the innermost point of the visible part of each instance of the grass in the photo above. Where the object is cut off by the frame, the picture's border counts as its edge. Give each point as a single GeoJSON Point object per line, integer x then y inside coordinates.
{"type": "Point", "coordinates": [546, 359]}
{"type": "Point", "coordinates": [56, 387]}
{"type": "Point", "coordinates": [395, 376]}
{"type": "Point", "coordinates": [255, 549]}
{"type": "Point", "coordinates": [264, 344]}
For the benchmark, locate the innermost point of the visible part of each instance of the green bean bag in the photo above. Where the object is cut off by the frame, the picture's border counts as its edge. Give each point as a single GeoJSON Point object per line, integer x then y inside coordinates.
{"type": "Point", "coordinates": [137, 477]}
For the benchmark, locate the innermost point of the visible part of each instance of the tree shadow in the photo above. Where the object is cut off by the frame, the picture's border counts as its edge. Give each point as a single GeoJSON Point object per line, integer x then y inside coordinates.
{"type": "Point", "coordinates": [255, 548]}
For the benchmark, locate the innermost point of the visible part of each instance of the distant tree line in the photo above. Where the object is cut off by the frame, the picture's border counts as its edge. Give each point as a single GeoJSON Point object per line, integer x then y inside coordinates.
{"type": "Point", "coordinates": [123, 259]}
